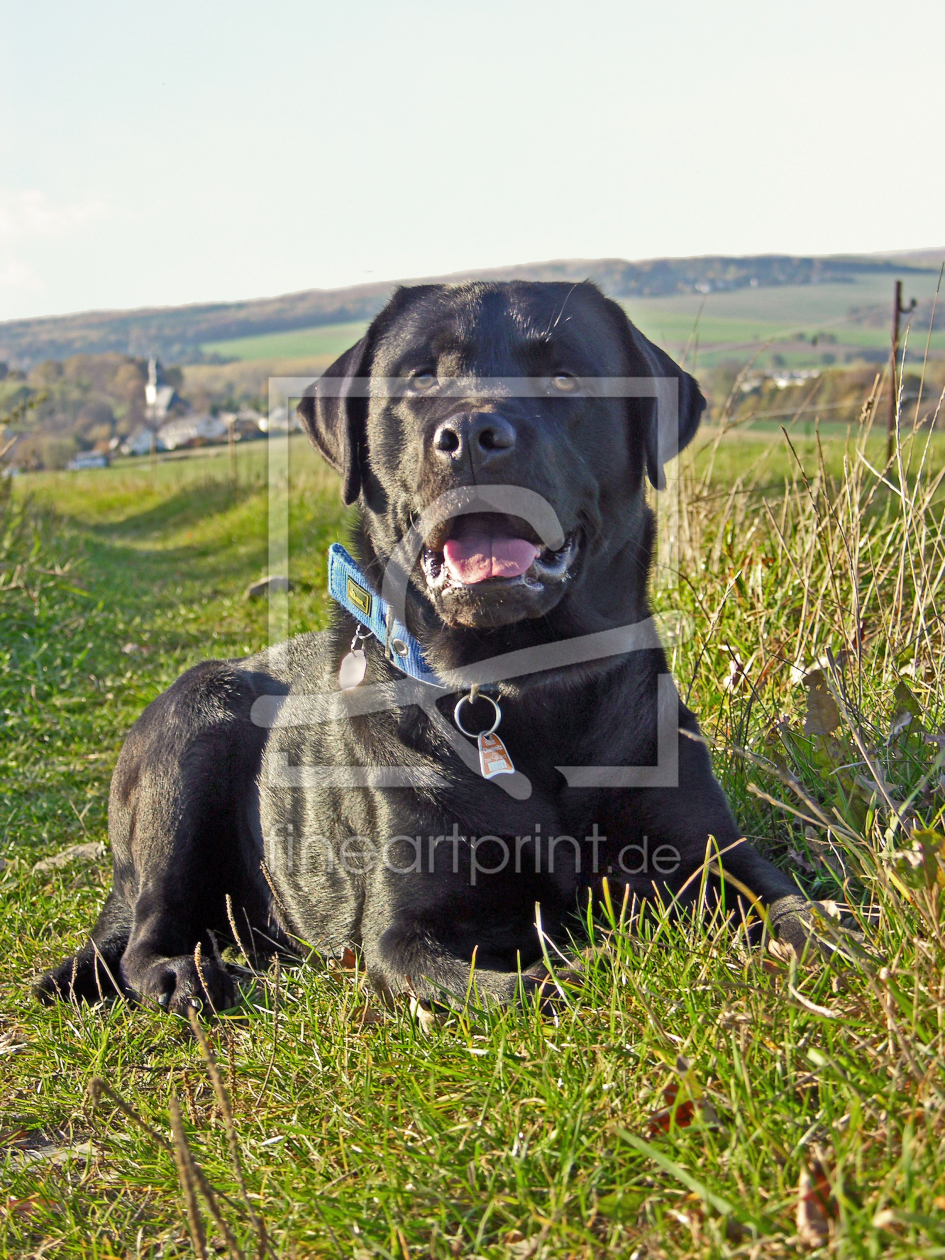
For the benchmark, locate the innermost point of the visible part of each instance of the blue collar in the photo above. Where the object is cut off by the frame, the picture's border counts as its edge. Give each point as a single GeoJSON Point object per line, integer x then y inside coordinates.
{"type": "Point", "coordinates": [349, 587]}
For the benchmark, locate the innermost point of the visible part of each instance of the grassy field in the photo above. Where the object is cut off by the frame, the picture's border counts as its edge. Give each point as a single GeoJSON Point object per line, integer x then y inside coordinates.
{"type": "Point", "coordinates": [729, 323]}
{"type": "Point", "coordinates": [734, 321]}
{"type": "Point", "coordinates": [328, 340]}
{"type": "Point", "coordinates": [693, 1096]}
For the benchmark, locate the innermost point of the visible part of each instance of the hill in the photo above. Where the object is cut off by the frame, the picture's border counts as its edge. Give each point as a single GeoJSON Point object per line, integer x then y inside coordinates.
{"type": "Point", "coordinates": [183, 333]}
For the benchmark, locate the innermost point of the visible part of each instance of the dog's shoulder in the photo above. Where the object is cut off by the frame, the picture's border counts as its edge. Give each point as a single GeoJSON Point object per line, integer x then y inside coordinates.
{"type": "Point", "coordinates": [305, 663]}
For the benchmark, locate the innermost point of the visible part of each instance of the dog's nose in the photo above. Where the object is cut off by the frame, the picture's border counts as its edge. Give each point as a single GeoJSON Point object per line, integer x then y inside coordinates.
{"type": "Point", "coordinates": [484, 434]}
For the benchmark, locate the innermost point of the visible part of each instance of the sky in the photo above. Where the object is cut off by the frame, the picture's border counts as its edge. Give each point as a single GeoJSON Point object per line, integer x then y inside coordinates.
{"type": "Point", "coordinates": [203, 151]}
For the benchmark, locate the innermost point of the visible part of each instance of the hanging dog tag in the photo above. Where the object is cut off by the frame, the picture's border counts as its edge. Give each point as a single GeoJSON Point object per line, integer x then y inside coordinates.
{"type": "Point", "coordinates": [352, 671]}
{"type": "Point", "coordinates": [354, 665]}
{"type": "Point", "coordinates": [493, 756]}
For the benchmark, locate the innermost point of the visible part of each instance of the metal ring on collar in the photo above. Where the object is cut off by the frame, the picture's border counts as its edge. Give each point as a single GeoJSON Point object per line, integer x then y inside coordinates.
{"type": "Point", "coordinates": [475, 734]}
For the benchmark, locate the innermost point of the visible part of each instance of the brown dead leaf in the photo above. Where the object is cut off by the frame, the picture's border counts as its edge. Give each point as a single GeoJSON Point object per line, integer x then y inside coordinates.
{"type": "Point", "coordinates": [815, 1206]}
{"type": "Point", "coordinates": [525, 1248]}
{"type": "Point", "coordinates": [685, 1098]}
{"type": "Point", "coordinates": [27, 1207]}
{"type": "Point", "coordinates": [823, 716]}
{"type": "Point", "coordinates": [784, 951]}
{"type": "Point", "coordinates": [366, 1016]}
{"type": "Point", "coordinates": [679, 1114]}
{"type": "Point", "coordinates": [347, 962]}
{"type": "Point", "coordinates": [89, 852]}
{"type": "Point", "coordinates": [800, 860]}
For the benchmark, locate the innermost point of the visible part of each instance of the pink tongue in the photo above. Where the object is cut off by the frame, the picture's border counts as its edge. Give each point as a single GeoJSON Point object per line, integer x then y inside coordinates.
{"type": "Point", "coordinates": [478, 555]}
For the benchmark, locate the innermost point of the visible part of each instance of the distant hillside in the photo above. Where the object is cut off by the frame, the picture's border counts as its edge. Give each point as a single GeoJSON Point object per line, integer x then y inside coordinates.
{"type": "Point", "coordinates": [178, 333]}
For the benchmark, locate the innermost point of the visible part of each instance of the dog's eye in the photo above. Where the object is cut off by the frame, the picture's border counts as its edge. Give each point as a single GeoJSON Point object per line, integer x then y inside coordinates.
{"type": "Point", "coordinates": [564, 383]}
{"type": "Point", "coordinates": [422, 382]}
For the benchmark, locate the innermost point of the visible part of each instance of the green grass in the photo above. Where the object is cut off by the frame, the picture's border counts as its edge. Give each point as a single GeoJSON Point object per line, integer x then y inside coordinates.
{"type": "Point", "coordinates": [731, 322]}
{"type": "Point", "coordinates": [717, 334]}
{"type": "Point", "coordinates": [328, 340]}
{"type": "Point", "coordinates": [506, 1134]}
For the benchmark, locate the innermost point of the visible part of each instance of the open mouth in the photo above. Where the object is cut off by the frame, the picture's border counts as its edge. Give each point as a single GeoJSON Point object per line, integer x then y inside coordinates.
{"type": "Point", "coordinates": [488, 550]}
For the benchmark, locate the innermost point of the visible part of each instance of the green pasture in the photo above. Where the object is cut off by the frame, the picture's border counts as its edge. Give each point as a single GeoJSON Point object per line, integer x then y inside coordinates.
{"type": "Point", "coordinates": [692, 1095]}
{"type": "Point", "coordinates": [328, 340]}
{"type": "Point", "coordinates": [793, 305]}
{"type": "Point", "coordinates": [723, 325]}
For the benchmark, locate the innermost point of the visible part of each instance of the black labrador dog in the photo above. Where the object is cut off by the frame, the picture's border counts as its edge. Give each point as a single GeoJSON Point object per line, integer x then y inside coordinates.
{"type": "Point", "coordinates": [508, 735]}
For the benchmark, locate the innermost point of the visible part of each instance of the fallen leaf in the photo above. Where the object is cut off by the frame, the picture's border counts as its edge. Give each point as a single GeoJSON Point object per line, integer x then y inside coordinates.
{"type": "Point", "coordinates": [799, 860]}
{"type": "Point", "coordinates": [815, 1206]}
{"type": "Point", "coordinates": [75, 853]}
{"type": "Point", "coordinates": [784, 951]}
{"type": "Point", "coordinates": [524, 1248]}
{"type": "Point", "coordinates": [365, 1016]}
{"type": "Point", "coordinates": [22, 1155]}
{"type": "Point", "coordinates": [922, 865]}
{"type": "Point", "coordinates": [685, 1098]}
{"type": "Point", "coordinates": [823, 716]}
{"type": "Point", "coordinates": [11, 1044]}
{"type": "Point", "coordinates": [824, 1011]}
{"type": "Point", "coordinates": [905, 708]}
{"type": "Point", "coordinates": [26, 1207]}
{"type": "Point", "coordinates": [736, 676]}
{"type": "Point", "coordinates": [677, 1113]}
{"type": "Point", "coordinates": [424, 1014]}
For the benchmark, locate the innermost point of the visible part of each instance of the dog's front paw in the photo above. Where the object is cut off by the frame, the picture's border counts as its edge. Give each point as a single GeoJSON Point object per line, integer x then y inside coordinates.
{"type": "Point", "coordinates": [177, 984]}
{"type": "Point", "coordinates": [810, 927]}
{"type": "Point", "coordinates": [85, 977]}
{"type": "Point", "coordinates": [537, 983]}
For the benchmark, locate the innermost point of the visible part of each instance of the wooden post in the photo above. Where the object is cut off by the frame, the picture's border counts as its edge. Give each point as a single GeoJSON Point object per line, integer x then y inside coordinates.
{"type": "Point", "coordinates": [153, 447]}
{"type": "Point", "coordinates": [898, 309]}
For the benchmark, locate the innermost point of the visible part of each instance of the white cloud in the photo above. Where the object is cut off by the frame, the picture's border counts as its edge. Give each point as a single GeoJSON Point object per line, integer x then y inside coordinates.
{"type": "Point", "coordinates": [28, 213]}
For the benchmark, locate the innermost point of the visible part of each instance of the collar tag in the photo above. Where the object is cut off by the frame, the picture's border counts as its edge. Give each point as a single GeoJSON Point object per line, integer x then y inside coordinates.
{"type": "Point", "coordinates": [354, 665]}
{"type": "Point", "coordinates": [493, 756]}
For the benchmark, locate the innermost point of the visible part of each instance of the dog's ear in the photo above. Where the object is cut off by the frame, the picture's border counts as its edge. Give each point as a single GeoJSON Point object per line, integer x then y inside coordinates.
{"type": "Point", "coordinates": [672, 418]}
{"type": "Point", "coordinates": [334, 417]}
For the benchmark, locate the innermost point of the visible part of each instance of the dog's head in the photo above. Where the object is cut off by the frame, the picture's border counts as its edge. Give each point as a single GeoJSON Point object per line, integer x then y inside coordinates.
{"type": "Point", "coordinates": [546, 391]}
